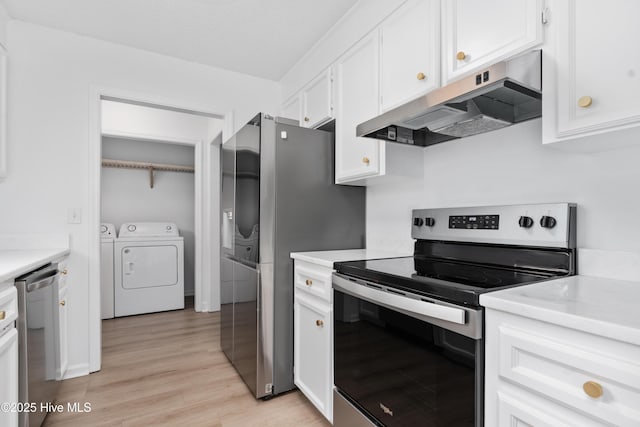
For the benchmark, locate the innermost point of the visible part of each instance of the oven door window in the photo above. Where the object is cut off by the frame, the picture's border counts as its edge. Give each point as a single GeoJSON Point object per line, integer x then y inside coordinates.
{"type": "Point", "coordinates": [402, 371]}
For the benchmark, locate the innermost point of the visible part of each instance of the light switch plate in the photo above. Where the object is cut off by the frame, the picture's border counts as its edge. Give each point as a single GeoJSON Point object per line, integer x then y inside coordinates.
{"type": "Point", "coordinates": [74, 216]}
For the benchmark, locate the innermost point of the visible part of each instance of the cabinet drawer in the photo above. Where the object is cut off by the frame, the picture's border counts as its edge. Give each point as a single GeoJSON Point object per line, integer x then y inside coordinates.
{"type": "Point", "coordinates": [522, 410]}
{"type": "Point", "coordinates": [565, 371]}
{"type": "Point", "coordinates": [314, 280]}
{"type": "Point", "coordinates": [8, 307]}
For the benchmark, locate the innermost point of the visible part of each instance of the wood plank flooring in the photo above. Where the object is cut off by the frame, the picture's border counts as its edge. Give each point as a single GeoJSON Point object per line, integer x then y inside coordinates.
{"type": "Point", "coordinates": [167, 369]}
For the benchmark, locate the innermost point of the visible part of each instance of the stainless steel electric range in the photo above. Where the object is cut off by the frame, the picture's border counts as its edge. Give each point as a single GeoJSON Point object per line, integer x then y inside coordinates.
{"type": "Point", "coordinates": [408, 332]}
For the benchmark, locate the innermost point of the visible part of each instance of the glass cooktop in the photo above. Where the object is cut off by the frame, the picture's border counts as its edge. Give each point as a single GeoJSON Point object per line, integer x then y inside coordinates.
{"type": "Point", "coordinates": [454, 281]}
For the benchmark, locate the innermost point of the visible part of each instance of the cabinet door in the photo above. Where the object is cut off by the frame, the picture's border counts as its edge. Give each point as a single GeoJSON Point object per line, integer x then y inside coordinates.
{"type": "Point", "coordinates": [409, 52]}
{"type": "Point", "coordinates": [478, 33]}
{"type": "Point", "coordinates": [317, 101]}
{"type": "Point", "coordinates": [313, 353]}
{"type": "Point", "coordinates": [64, 334]}
{"type": "Point", "coordinates": [9, 376]}
{"type": "Point", "coordinates": [357, 100]}
{"type": "Point", "coordinates": [597, 79]}
{"type": "Point", "coordinates": [292, 108]}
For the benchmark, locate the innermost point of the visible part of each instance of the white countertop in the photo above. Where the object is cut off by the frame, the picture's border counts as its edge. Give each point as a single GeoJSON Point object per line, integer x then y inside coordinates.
{"type": "Point", "coordinates": [14, 263]}
{"type": "Point", "coordinates": [600, 306]}
{"type": "Point", "coordinates": [327, 258]}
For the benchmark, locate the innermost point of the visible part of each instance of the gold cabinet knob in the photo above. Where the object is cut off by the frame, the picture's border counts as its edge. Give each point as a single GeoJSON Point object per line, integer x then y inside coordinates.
{"type": "Point", "coordinates": [421, 76]}
{"type": "Point", "coordinates": [319, 322]}
{"type": "Point", "coordinates": [64, 272]}
{"type": "Point", "coordinates": [366, 161]}
{"type": "Point", "coordinates": [309, 282]}
{"type": "Point", "coordinates": [460, 56]}
{"type": "Point", "coordinates": [306, 119]}
{"type": "Point", "coordinates": [585, 102]}
{"type": "Point", "coordinates": [63, 303]}
{"type": "Point", "coordinates": [593, 389]}
{"type": "Point", "coordinates": [3, 314]}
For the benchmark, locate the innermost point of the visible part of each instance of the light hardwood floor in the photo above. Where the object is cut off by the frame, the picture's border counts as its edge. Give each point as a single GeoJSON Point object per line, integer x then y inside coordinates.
{"type": "Point", "coordinates": [167, 369]}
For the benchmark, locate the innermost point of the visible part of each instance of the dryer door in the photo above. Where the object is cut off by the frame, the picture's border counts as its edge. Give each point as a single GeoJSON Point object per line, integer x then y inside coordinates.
{"type": "Point", "coordinates": [149, 266]}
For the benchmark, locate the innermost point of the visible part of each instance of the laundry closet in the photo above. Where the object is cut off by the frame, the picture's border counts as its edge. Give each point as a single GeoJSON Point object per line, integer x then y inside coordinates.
{"type": "Point", "coordinates": [147, 193]}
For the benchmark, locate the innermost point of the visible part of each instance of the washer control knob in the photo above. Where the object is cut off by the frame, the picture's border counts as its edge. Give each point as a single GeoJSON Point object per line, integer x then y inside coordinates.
{"type": "Point", "coordinates": [131, 227]}
{"type": "Point", "coordinates": [418, 222]}
{"type": "Point", "coordinates": [548, 221]}
{"type": "Point", "coordinates": [103, 228]}
{"type": "Point", "coordinates": [429, 222]}
{"type": "Point", "coordinates": [525, 222]}
{"type": "Point", "coordinates": [168, 228]}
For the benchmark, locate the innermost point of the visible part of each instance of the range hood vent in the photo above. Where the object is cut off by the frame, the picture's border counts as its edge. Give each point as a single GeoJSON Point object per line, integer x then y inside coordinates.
{"type": "Point", "coordinates": [506, 93]}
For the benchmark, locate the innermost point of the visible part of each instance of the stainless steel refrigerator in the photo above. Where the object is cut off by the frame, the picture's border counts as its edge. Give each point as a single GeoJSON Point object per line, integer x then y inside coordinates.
{"type": "Point", "coordinates": [278, 196]}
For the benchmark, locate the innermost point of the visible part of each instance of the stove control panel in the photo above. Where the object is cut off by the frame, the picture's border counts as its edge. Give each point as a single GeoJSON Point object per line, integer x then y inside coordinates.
{"type": "Point", "coordinates": [475, 222]}
{"type": "Point", "coordinates": [542, 225]}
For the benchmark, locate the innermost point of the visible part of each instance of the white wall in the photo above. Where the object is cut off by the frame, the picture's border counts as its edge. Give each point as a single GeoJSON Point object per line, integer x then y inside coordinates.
{"type": "Point", "coordinates": [51, 74]}
{"type": "Point", "coordinates": [124, 119]}
{"type": "Point", "coordinates": [127, 197]}
{"type": "Point", "coordinates": [4, 22]}
{"type": "Point", "coordinates": [511, 166]}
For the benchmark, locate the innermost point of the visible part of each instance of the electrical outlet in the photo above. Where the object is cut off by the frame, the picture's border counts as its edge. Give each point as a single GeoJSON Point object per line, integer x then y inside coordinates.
{"type": "Point", "coordinates": [74, 215]}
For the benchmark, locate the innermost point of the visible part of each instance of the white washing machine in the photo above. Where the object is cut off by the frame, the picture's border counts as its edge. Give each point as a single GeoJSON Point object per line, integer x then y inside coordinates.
{"type": "Point", "coordinates": [149, 268]}
{"type": "Point", "coordinates": [107, 236]}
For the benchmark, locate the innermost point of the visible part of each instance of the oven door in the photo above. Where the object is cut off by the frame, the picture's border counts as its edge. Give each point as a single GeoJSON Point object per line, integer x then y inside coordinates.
{"type": "Point", "coordinates": [405, 360]}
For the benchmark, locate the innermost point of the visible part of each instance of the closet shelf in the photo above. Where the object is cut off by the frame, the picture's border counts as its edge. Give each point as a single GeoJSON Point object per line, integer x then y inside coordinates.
{"type": "Point", "coordinates": [151, 167]}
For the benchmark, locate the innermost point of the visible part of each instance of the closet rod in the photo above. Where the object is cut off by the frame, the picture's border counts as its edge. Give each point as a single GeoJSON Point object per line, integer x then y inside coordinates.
{"type": "Point", "coordinates": [151, 167]}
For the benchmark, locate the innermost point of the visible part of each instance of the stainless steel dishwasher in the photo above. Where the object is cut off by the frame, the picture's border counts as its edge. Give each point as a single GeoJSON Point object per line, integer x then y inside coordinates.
{"type": "Point", "coordinates": [38, 342]}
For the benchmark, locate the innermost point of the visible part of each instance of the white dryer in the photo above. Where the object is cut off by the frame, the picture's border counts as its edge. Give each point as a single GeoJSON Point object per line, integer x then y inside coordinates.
{"type": "Point", "coordinates": [149, 268]}
{"type": "Point", "coordinates": [107, 237]}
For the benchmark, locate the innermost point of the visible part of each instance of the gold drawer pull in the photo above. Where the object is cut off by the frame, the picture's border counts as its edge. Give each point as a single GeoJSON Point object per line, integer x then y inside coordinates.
{"type": "Point", "coordinates": [585, 102]}
{"type": "Point", "coordinates": [63, 303]}
{"type": "Point", "coordinates": [64, 272]}
{"type": "Point", "coordinates": [319, 323]}
{"type": "Point", "coordinates": [366, 161]}
{"type": "Point", "coordinates": [309, 282]}
{"type": "Point", "coordinates": [421, 76]}
{"type": "Point", "coordinates": [460, 56]}
{"type": "Point", "coordinates": [3, 314]}
{"type": "Point", "coordinates": [593, 389]}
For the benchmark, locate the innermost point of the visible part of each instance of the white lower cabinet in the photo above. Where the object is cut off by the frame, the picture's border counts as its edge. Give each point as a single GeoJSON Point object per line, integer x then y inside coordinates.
{"type": "Point", "coordinates": [64, 334]}
{"type": "Point", "coordinates": [541, 374]}
{"type": "Point", "coordinates": [313, 335]}
{"type": "Point", "coordinates": [8, 356]}
{"type": "Point", "coordinates": [63, 322]}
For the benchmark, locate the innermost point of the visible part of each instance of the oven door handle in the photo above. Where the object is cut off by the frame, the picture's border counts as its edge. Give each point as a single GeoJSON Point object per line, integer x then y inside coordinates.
{"type": "Point", "coordinates": [403, 303]}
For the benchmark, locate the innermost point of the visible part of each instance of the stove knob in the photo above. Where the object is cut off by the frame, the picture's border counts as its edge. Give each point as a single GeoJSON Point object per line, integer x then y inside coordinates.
{"type": "Point", "coordinates": [525, 222]}
{"type": "Point", "coordinates": [548, 221]}
{"type": "Point", "coordinates": [429, 222]}
{"type": "Point", "coordinates": [418, 222]}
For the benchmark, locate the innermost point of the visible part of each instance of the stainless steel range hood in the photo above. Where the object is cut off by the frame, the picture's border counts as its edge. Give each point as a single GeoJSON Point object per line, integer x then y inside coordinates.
{"type": "Point", "coordinates": [503, 94]}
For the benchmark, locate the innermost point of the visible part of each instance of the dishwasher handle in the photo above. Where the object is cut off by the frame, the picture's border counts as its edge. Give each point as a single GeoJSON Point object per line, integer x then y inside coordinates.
{"type": "Point", "coordinates": [41, 278]}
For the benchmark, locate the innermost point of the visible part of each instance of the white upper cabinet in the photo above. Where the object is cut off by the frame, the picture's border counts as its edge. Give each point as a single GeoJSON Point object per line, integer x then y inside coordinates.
{"type": "Point", "coordinates": [317, 101]}
{"type": "Point", "coordinates": [292, 108]}
{"type": "Point", "coordinates": [592, 80]}
{"type": "Point", "coordinates": [478, 33]}
{"type": "Point", "coordinates": [357, 98]}
{"type": "Point", "coordinates": [409, 52]}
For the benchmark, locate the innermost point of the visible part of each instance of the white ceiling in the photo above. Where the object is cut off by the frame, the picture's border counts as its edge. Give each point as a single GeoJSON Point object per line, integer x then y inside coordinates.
{"type": "Point", "coordinates": [263, 38]}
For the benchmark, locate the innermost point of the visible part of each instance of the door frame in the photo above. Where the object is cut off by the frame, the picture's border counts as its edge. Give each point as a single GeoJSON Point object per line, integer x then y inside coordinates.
{"type": "Point", "coordinates": [205, 195]}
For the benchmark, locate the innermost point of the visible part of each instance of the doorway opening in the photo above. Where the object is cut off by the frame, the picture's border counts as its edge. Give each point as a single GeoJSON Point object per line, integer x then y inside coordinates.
{"type": "Point", "coordinates": [167, 167]}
